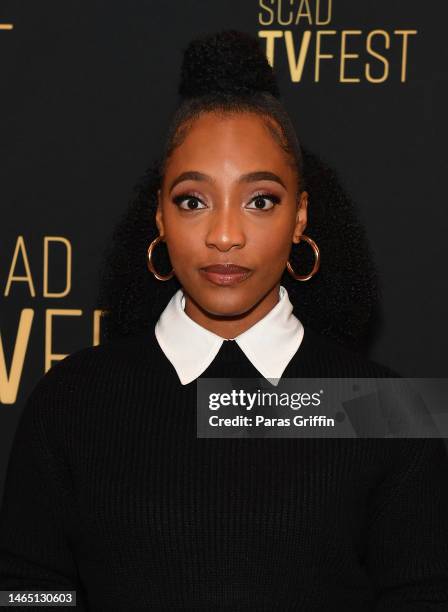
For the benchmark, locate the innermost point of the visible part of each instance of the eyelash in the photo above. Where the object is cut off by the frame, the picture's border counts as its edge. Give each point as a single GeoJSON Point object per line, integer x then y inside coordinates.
{"type": "Point", "coordinates": [189, 196]}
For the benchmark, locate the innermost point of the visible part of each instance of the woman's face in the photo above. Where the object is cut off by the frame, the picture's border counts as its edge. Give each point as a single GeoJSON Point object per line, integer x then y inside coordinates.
{"type": "Point", "coordinates": [229, 195]}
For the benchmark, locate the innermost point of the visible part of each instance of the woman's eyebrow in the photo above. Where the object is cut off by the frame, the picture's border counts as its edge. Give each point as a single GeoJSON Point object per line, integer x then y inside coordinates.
{"type": "Point", "coordinates": [261, 175]}
{"type": "Point", "coordinates": [249, 177]}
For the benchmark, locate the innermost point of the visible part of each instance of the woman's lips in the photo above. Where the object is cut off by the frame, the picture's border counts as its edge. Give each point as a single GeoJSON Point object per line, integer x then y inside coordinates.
{"type": "Point", "coordinates": [225, 274]}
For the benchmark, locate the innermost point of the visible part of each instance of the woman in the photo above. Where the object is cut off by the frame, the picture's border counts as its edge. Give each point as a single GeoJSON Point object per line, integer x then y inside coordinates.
{"type": "Point", "coordinates": [109, 489]}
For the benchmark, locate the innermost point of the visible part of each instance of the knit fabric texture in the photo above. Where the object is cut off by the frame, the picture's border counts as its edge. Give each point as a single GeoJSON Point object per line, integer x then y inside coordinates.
{"type": "Point", "coordinates": [110, 492]}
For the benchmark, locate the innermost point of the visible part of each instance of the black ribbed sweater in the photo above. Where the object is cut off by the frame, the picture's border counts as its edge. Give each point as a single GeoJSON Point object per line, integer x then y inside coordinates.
{"type": "Point", "coordinates": [110, 492]}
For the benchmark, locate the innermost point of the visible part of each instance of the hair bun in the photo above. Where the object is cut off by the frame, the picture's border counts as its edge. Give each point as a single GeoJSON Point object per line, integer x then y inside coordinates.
{"type": "Point", "coordinates": [226, 62]}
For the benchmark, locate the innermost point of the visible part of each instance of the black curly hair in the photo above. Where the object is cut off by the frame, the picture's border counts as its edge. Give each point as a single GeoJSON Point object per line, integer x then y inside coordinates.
{"type": "Point", "coordinates": [228, 72]}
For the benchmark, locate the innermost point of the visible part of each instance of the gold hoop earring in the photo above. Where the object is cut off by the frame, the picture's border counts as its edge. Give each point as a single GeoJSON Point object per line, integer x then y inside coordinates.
{"type": "Point", "coordinates": [152, 246]}
{"type": "Point", "coordinates": [316, 261]}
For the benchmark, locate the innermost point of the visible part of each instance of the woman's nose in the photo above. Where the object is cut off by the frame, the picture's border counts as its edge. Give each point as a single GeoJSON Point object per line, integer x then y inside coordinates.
{"type": "Point", "coordinates": [226, 227]}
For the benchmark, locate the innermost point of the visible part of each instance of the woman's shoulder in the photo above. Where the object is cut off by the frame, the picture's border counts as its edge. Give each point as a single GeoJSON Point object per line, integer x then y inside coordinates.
{"type": "Point", "coordinates": [95, 369]}
{"type": "Point", "coordinates": [326, 357]}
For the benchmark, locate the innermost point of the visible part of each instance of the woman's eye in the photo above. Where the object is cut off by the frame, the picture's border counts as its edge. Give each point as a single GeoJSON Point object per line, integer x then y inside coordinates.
{"type": "Point", "coordinates": [190, 199]}
{"type": "Point", "coordinates": [260, 201]}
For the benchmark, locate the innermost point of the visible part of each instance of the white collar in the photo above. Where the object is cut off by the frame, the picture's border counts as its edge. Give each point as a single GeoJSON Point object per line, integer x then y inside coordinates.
{"type": "Point", "coordinates": [269, 344]}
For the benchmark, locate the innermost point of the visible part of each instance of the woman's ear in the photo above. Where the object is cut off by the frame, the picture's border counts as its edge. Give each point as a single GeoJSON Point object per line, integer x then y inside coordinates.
{"type": "Point", "coordinates": [301, 216]}
{"type": "Point", "coordinates": [159, 213]}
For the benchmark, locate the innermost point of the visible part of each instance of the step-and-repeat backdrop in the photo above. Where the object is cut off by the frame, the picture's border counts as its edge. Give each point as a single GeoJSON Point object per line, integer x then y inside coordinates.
{"type": "Point", "coordinates": [87, 90]}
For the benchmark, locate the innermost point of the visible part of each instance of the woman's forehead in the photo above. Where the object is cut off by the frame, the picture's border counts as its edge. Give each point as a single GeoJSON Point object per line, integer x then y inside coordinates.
{"type": "Point", "coordinates": [217, 140]}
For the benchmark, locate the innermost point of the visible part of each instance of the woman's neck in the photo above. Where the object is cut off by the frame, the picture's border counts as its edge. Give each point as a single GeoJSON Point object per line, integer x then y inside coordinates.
{"type": "Point", "coordinates": [230, 326]}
